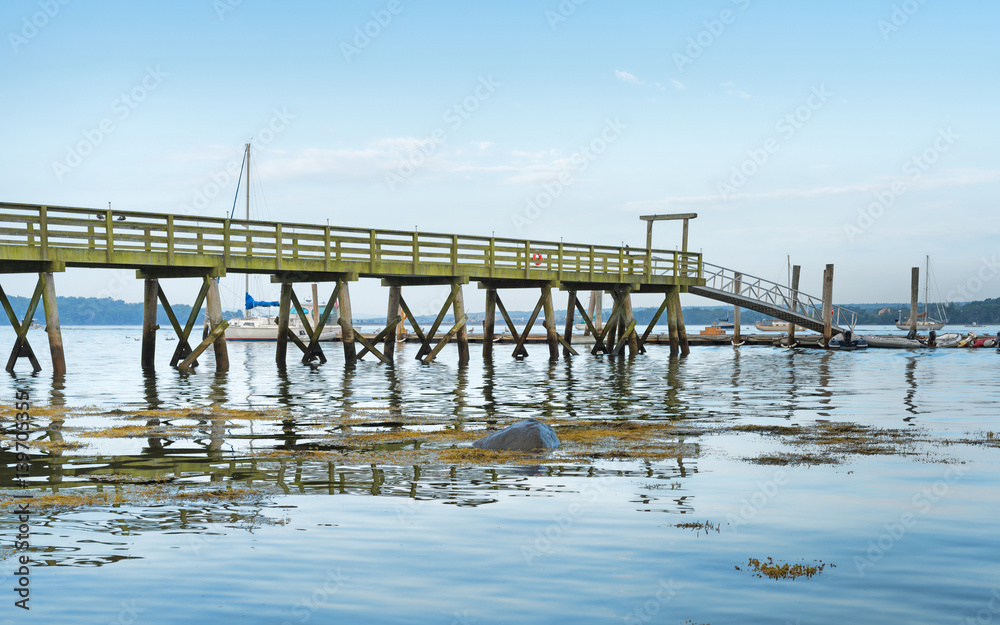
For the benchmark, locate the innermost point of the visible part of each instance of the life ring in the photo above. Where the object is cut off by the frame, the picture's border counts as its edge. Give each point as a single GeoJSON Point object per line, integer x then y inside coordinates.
{"type": "Point", "coordinates": [537, 258]}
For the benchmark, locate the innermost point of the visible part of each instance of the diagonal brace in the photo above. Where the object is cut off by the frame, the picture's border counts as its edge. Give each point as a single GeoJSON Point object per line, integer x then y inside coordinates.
{"type": "Point", "coordinates": [22, 349]}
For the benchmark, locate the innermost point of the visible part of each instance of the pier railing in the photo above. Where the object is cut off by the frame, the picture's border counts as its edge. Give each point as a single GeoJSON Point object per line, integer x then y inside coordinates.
{"type": "Point", "coordinates": [91, 237]}
{"type": "Point", "coordinates": [774, 295]}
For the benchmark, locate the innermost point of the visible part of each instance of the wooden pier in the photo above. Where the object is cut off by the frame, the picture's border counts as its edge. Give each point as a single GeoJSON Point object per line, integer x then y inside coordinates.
{"type": "Point", "coordinates": [48, 239]}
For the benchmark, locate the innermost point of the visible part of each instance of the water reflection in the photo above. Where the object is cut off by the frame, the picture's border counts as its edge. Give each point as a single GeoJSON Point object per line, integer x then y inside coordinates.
{"type": "Point", "coordinates": [911, 388]}
{"type": "Point", "coordinates": [824, 383]}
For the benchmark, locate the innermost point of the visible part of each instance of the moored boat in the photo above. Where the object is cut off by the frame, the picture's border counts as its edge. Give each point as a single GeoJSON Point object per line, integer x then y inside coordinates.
{"type": "Point", "coordinates": [847, 341]}
{"type": "Point", "coordinates": [776, 325]}
{"type": "Point", "coordinates": [894, 342]}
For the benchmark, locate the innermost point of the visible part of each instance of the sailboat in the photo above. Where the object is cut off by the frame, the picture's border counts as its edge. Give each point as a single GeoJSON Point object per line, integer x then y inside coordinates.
{"type": "Point", "coordinates": [265, 328]}
{"type": "Point", "coordinates": [925, 322]}
{"type": "Point", "coordinates": [724, 324]}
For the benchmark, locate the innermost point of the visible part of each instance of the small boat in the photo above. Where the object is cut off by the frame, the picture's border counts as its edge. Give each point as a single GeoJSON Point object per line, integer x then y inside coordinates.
{"type": "Point", "coordinates": [974, 324]}
{"type": "Point", "coordinates": [949, 339]}
{"type": "Point", "coordinates": [894, 342]}
{"type": "Point", "coordinates": [847, 341]}
{"type": "Point", "coordinates": [922, 326]}
{"type": "Point", "coordinates": [776, 325]}
{"type": "Point", "coordinates": [982, 341]}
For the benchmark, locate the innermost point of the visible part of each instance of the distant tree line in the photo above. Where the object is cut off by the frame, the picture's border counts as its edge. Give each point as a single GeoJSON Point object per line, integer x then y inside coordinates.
{"type": "Point", "coordinates": [74, 311]}
{"type": "Point", "coordinates": [92, 311]}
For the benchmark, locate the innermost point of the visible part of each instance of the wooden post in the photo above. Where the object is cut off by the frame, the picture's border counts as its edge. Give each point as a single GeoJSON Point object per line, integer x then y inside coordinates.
{"type": "Point", "coordinates": [347, 325]}
{"type": "Point", "coordinates": [489, 323]}
{"type": "Point", "coordinates": [684, 238]}
{"type": "Point", "coordinates": [462, 336]}
{"type": "Point", "coordinates": [827, 305]}
{"type": "Point", "coordinates": [682, 335]}
{"type": "Point", "coordinates": [672, 322]}
{"type": "Point", "coordinates": [599, 311]}
{"type": "Point", "coordinates": [551, 335]}
{"type": "Point", "coordinates": [914, 297]}
{"type": "Point", "coordinates": [737, 287]}
{"type": "Point", "coordinates": [52, 325]}
{"type": "Point", "coordinates": [568, 333]}
{"type": "Point", "coordinates": [628, 322]}
{"type": "Point", "coordinates": [214, 311]}
{"type": "Point", "coordinates": [612, 331]}
{"type": "Point", "coordinates": [395, 293]}
{"type": "Point", "coordinates": [152, 292]}
{"type": "Point", "coordinates": [590, 309]}
{"type": "Point", "coordinates": [795, 302]}
{"type": "Point", "coordinates": [284, 306]}
{"type": "Point", "coordinates": [315, 306]}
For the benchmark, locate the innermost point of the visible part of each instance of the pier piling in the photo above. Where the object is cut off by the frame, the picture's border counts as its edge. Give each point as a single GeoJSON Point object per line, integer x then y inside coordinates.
{"type": "Point", "coordinates": [284, 307]}
{"type": "Point", "coordinates": [151, 292]}
{"type": "Point", "coordinates": [827, 305]}
{"type": "Point", "coordinates": [394, 310]}
{"type": "Point", "coordinates": [462, 331]}
{"type": "Point", "coordinates": [214, 314]}
{"type": "Point", "coordinates": [52, 324]}
{"type": "Point", "coordinates": [549, 323]}
{"type": "Point", "coordinates": [796, 270]}
{"type": "Point", "coordinates": [738, 288]}
{"type": "Point", "coordinates": [347, 325]}
{"type": "Point", "coordinates": [489, 323]}
{"type": "Point", "coordinates": [672, 322]}
{"type": "Point", "coordinates": [568, 331]}
{"type": "Point", "coordinates": [682, 335]}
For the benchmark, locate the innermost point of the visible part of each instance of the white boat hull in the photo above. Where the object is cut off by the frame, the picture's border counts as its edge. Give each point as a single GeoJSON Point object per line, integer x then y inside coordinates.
{"type": "Point", "coordinates": [266, 329]}
{"type": "Point", "coordinates": [894, 342]}
{"type": "Point", "coordinates": [922, 326]}
{"type": "Point", "coordinates": [782, 326]}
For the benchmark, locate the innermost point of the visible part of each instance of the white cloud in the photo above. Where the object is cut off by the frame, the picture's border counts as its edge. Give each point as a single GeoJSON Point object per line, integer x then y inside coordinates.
{"type": "Point", "coordinates": [627, 77]}
{"type": "Point", "coordinates": [733, 91]}
{"type": "Point", "coordinates": [634, 80]}
{"type": "Point", "coordinates": [677, 84]}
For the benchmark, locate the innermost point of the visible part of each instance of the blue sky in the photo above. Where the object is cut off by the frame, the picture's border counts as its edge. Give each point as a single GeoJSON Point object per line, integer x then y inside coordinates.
{"type": "Point", "coordinates": [865, 131]}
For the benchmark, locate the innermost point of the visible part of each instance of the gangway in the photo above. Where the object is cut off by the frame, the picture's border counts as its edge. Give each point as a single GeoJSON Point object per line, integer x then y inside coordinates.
{"type": "Point", "coordinates": [770, 298]}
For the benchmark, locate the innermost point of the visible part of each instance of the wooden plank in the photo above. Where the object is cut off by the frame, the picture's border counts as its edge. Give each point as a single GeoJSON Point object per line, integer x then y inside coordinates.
{"type": "Point", "coordinates": [510, 326]}
{"type": "Point", "coordinates": [387, 334]}
{"type": "Point", "coordinates": [519, 350]}
{"type": "Point", "coordinates": [649, 328]}
{"type": "Point", "coordinates": [368, 347]}
{"type": "Point", "coordinates": [611, 323]}
{"type": "Point", "coordinates": [22, 349]}
{"type": "Point", "coordinates": [568, 330]}
{"type": "Point", "coordinates": [629, 329]}
{"type": "Point", "coordinates": [425, 347]}
{"type": "Point", "coordinates": [598, 342]}
{"type": "Point", "coordinates": [411, 318]}
{"type": "Point", "coordinates": [215, 334]}
{"type": "Point", "coordinates": [566, 346]}
{"type": "Point", "coordinates": [444, 341]}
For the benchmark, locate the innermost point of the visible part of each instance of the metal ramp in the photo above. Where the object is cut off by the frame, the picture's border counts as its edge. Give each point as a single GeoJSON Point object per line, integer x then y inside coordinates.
{"type": "Point", "coordinates": [771, 298]}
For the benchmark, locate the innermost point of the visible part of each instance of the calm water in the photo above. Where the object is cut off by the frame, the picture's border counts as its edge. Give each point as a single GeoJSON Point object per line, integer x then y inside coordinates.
{"type": "Point", "coordinates": [913, 541]}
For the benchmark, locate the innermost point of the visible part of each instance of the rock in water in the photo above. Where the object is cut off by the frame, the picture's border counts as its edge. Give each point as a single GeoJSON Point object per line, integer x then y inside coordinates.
{"type": "Point", "coordinates": [522, 436]}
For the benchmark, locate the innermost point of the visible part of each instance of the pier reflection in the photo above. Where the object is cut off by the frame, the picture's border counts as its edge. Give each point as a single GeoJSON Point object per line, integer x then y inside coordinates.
{"type": "Point", "coordinates": [909, 399]}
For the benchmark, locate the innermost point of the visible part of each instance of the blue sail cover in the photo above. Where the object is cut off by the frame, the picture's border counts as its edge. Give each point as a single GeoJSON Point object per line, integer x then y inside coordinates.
{"type": "Point", "coordinates": [251, 303]}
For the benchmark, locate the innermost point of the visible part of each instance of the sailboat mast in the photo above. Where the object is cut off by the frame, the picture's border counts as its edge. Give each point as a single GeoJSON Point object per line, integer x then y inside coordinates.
{"type": "Point", "coordinates": [246, 155]}
{"type": "Point", "coordinates": [927, 286]}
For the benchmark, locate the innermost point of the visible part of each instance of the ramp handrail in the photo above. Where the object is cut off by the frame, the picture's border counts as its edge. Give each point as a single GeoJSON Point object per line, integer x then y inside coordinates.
{"type": "Point", "coordinates": [774, 294]}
